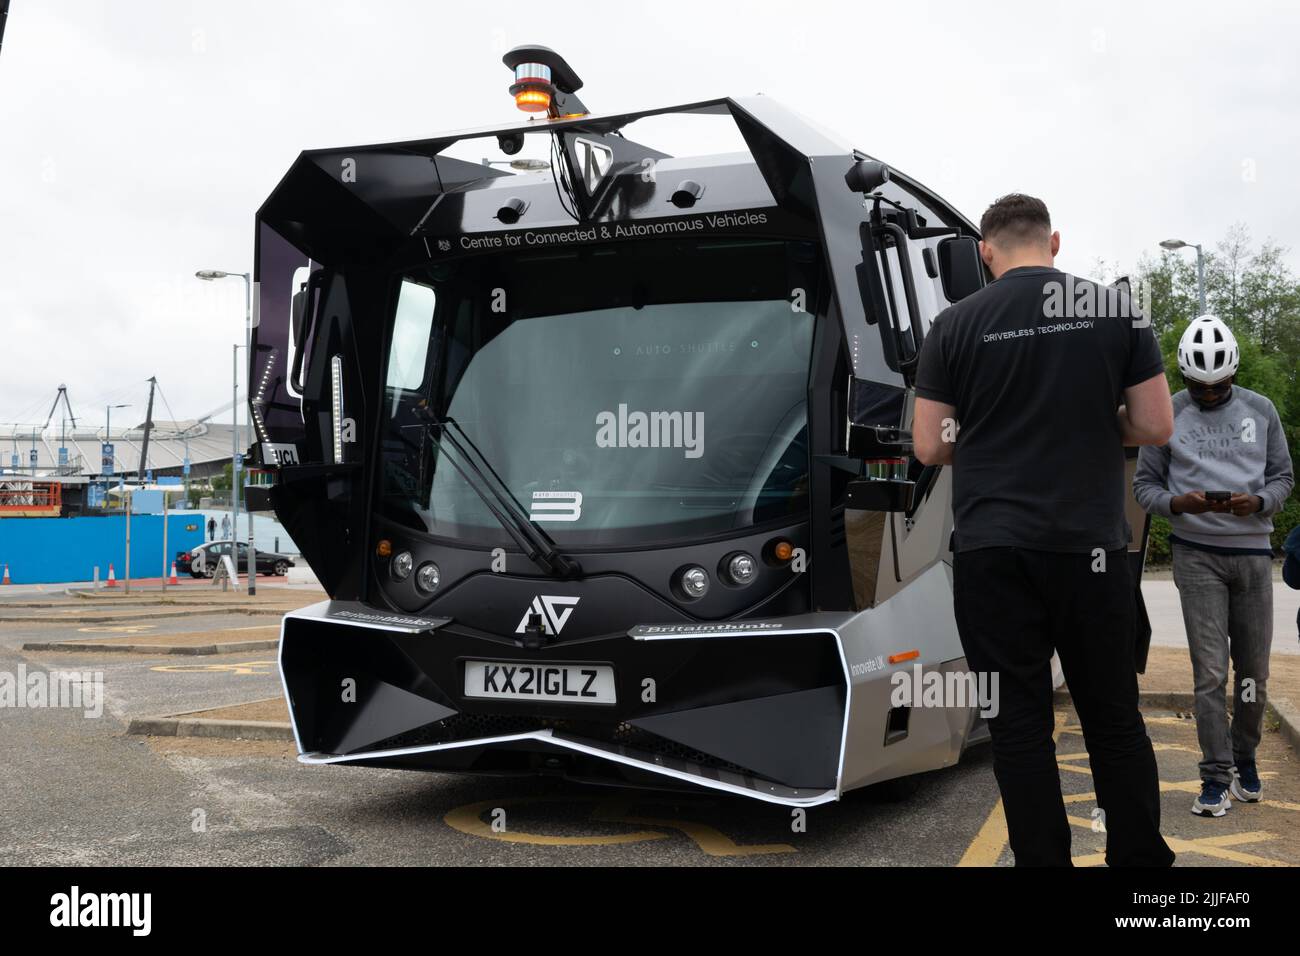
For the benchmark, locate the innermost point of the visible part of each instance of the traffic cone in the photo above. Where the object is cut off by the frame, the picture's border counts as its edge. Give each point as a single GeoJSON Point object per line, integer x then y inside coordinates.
{"type": "Point", "coordinates": [6, 580]}
{"type": "Point", "coordinates": [172, 577]}
{"type": "Point", "coordinates": [112, 581]}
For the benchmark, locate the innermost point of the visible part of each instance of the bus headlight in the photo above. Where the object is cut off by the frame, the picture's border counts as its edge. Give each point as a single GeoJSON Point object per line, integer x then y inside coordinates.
{"type": "Point", "coordinates": [694, 582]}
{"type": "Point", "coordinates": [401, 565]}
{"type": "Point", "coordinates": [427, 578]}
{"type": "Point", "coordinates": [741, 568]}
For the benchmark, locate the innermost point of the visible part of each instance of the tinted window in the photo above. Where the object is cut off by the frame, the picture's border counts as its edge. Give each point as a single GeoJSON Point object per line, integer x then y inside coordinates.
{"type": "Point", "coordinates": [659, 392]}
{"type": "Point", "coordinates": [411, 326]}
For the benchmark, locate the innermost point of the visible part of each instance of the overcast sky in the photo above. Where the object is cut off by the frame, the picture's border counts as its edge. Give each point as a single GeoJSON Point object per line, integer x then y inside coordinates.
{"type": "Point", "coordinates": [140, 136]}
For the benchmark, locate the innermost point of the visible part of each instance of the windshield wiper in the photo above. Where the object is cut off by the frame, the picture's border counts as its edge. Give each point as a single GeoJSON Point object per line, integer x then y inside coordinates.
{"type": "Point", "coordinates": [527, 534]}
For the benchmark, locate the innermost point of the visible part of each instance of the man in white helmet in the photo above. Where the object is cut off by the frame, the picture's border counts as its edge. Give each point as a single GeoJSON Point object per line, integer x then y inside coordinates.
{"type": "Point", "coordinates": [1224, 473]}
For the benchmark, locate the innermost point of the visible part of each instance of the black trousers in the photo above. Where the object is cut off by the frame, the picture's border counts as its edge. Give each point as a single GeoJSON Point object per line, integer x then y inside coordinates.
{"type": "Point", "coordinates": [1013, 607]}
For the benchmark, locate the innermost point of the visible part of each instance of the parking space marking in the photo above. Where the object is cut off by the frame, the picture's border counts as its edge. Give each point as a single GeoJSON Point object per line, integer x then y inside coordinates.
{"type": "Point", "coordinates": [1086, 771]}
{"type": "Point", "coordinates": [987, 846]}
{"type": "Point", "coordinates": [116, 628]}
{"type": "Point", "coordinates": [712, 841]}
{"type": "Point", "coordinates": [1280, 804]}
{"type": "Point", "coordinates": [1157, 747]}
{"type": "Point", "coordinates": [986, 849]}
{"type": "Point", "coordinates": [259, 668]}
{"type": "Point", "coordinates": [991, 840]}
{"type": "Point", "coordinates": [1215, 847]}
{"type": "Point", "coordinates": [469, 819]}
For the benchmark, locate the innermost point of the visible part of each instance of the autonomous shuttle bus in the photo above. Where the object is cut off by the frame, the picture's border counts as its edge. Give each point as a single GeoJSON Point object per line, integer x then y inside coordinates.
{"type": "Point", "coordinates": [602, 453]}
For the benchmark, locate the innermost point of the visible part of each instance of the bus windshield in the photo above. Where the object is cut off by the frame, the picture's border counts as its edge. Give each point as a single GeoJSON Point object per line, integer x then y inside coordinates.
{"type": "Point", "coordinates": [630, 394]}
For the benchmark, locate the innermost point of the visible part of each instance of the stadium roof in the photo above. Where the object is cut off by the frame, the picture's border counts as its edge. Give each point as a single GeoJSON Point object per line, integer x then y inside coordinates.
{"type": "Point", "coordinates": [207, 444]}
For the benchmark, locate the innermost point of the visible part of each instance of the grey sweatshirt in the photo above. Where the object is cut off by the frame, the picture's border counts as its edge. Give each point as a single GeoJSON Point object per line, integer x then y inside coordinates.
{"type": "Point", "coordinates": [1238, 446]}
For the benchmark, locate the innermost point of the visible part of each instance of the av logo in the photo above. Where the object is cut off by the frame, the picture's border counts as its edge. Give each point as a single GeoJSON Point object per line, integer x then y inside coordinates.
{"type": "Point", "coordinates": [554, 609]}
{"type": "Point", "coordinates": [596, 161]}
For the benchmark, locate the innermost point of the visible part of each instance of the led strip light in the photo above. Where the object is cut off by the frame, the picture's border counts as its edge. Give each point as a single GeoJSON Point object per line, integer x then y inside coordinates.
{"type": "Point", "coordinates": [336, 408]}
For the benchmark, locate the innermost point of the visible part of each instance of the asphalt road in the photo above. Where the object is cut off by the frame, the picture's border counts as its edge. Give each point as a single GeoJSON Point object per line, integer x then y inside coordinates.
{"type": "Point", "coordinates": [78, 790]}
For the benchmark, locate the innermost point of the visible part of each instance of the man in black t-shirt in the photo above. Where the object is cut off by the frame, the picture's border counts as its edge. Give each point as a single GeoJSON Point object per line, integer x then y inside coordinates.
{"type": "Point", "coordinates": [1030, 389]}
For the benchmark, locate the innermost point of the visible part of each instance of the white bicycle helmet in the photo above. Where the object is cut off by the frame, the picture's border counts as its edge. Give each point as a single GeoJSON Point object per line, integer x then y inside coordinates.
{"type": "Point", "coordinates": [1207, 352]}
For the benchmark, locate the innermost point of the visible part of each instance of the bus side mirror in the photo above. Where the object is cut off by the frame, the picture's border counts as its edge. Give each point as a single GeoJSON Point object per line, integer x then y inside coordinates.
{"type": "Point", "coordinates": [960, 268]}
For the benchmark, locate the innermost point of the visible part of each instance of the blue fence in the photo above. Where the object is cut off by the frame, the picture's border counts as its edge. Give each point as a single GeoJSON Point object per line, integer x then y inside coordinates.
{"type": "Point", "coordinates": [53, 550]}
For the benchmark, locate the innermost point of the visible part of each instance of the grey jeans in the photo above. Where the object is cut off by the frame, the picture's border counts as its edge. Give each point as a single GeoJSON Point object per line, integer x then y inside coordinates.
{"type": "Point", "coordinates": [1228, 612]}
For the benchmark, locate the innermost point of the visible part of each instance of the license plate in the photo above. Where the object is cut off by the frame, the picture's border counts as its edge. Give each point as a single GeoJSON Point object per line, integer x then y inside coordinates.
{"type": "Point", "coordinates": [279, 454]}
{"type": "Point", "coordinates": [561, 683]}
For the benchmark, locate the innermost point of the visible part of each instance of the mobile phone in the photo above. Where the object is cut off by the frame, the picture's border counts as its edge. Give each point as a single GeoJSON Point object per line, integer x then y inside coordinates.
{"type": "Point", "coordinates": [1218, 496]}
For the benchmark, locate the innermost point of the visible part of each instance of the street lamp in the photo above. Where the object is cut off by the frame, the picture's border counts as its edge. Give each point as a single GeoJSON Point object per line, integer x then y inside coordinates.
{"type": "Point", "coordinates": [108, 418]}
{"type": "Point", "coordinates": [209, 275]}
{"type": "Point", "coordinates": [185, 437]}
{"type": "Point", "coordinates": [1173, 245]}
{"type": "Point", "coordinates": [108, 442]}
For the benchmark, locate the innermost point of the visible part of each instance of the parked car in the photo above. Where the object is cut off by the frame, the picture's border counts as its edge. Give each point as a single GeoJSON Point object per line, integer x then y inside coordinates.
{"type": "Point", "coordinates": [201, 562]}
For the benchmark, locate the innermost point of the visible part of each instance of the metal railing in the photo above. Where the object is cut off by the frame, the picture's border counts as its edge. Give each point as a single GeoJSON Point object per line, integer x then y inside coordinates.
{"type": "Point", "coordinates": [24, 496]}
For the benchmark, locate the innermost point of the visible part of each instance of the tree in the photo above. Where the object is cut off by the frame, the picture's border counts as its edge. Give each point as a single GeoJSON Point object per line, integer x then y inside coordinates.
{"type": "Point", "coordinates": [222, 482]}
{"type": "Point", "coordinates": [1257, 295]}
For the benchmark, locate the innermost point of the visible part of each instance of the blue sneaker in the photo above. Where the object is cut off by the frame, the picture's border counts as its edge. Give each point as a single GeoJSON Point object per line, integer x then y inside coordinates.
{"type": "Point", "coordinates": [1213, 801]}
{"type": "Point", "coordinates": [1245, 782]}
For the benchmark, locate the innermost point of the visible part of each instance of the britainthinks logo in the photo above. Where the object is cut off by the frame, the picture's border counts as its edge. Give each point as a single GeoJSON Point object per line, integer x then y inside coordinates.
{"type": "Point", "coordinates": [554, 609]}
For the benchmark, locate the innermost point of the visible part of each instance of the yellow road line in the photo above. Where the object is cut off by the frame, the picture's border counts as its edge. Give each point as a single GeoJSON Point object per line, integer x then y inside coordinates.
{"type": "Point", "coordinates": [986, 849]}
{"type": "Point", "coordinates": [245, 667]}
{"type": "Point", "coordinates": [710, 840]}
{"type": "Point", "coordinates": [1086, 771]}
{"type": "Point", "coordinates": [1083, 754]}
{"type": "Point", "coordinates": [1215, 846]}
{"type": "Point", "coordinates": [468, 819]}
{"type": "Point", "coordinates": [1280, 804]}
{"type": "Point", "coordinates": [989, 843]}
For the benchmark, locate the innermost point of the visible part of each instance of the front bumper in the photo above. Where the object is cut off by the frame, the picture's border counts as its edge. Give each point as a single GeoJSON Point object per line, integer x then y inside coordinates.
{"type": "Point", "coordinates": [793, 710]}
{"type": "Point", "coordinates": [757, 713]}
